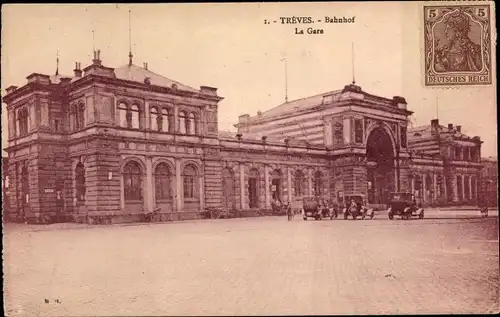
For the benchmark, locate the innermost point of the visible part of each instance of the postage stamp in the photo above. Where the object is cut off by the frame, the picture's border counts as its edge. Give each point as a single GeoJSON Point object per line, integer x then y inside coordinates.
{"type": "Point", "coordinates": [457, 45]}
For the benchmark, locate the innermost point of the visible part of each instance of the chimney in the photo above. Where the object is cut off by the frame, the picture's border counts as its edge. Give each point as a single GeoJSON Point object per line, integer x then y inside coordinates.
{"type": "Point", "coordinates": [10, 89]}
{"type": "Point", "coordinates": [434, 126]}
{"type": "Point", "coordinates": [450, 126]}
{"type": "Point", "coordinates": [239, 136]}
{"type": "Point", "coordinates": [259, 113]}
{"type": "Point", "coordinates": [145, 66]}
{"type": "Point", "coordinates": [97, 58]}
{"type": "Point", "coordinates": [78, 70]}
{"type": "Point", "coordinates": [459, 128]}
{"type": "Point", "coordinates": [264, 138]}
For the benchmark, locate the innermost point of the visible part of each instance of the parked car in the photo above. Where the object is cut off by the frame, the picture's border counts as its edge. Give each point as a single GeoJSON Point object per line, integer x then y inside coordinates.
{"type": "Point", "coordinates": [405, 205]}
{"type": "Point", "coordinates": [313, 207]}
{"type": "Point", "coordinates": [356, 206]}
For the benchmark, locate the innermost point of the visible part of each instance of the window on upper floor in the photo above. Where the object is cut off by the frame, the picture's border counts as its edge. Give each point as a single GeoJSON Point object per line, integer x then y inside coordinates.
{"type": "Point", "coordinates": [183, 122]}
{"type": "Point", "coordinates": [22, 116]}
{"type": "Point", "coordinates": [358, 130]}
{"type": "Point", "coordinates": [134, 117]}
{"type": "Point", "coordinates": [80, 118]}
{"type": "Point", "coordinates": [192, 124]}
{"type": "Point", "coordinates": [402, 137]}
{"type": "Point", "coordinates": [338, 133]}
{"type": "Point", "coordinates": [156, 123]}
{"type": "Point", "coordinates": [458, 154]}
{"type": "Point", "coordinates": [167, 120]}
{"type": "Point", "coordinates": [129, 115]}
{"type": "Point", "coordinates": [122, 113]}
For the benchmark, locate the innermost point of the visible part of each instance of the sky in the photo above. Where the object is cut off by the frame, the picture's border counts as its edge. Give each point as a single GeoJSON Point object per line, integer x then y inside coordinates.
{"type": "Point", "coordinates": [229, 46]}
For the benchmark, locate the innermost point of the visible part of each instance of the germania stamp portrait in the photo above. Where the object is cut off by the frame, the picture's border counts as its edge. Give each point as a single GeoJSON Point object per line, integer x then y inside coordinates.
{"type": "Point", "coordinates": [457, 45]}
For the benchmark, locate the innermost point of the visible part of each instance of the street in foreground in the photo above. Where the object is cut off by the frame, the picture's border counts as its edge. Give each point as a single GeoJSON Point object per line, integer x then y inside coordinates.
{"type": "Point", "coordinates": [255, 266]}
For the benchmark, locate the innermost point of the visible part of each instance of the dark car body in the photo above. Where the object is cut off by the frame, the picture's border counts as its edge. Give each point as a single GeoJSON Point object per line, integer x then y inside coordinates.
{"type": "Point", "coordinates": [405, 205]}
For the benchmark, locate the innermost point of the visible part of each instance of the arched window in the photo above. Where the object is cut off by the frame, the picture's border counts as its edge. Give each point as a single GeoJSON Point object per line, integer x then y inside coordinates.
{"type": "Point", "coordinates": [163, 182]}
{"type": "Point", "coordinates": [23, 121]}
{"type": "Point", "coordinates": [189, 182]}
{"type": "Point", "coordinates": [183, 122]}
{"type": "Point", "coordinates": [132, 181]}
{"type": "Point", "coordinates": [318, 183]}
{"type": "Point", "coordinates": [165, 113]}
{"type": "Point", "coordinates": [134, 117]}
{"type": "Point", "coordinates": [192, 124]}
{"type": "Point", "coordinates": [80, 182]}
{"type": "Point", "coordinates": [123, 114]}
{"type": "Point", "coordinates": [81, 116]}
{"type": "Point", "coordinates": [299, 183]}
{"type": "Point", "coordinates": [154, 119]}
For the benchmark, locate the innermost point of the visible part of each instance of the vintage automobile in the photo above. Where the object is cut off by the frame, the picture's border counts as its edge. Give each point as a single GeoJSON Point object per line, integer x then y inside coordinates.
{"type": "Point", "coordinates": [358, 208]}
{"type": "Point", "coordinates": [405, 205]}
{"type": "Point", "coordinates": [313, 207]}
{"type": "Point", "coordinates": [278, 208]}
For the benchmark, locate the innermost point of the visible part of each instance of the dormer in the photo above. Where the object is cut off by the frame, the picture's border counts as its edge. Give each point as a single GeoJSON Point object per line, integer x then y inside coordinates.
{"type": "Point", "coordinates": [208, 90]}
{"type": "Point", "coordinates": [39, 79]}
{"type": "Point", "coordinates": [10, 89]}
{"type": "Point", "coordinates": [399, 102]}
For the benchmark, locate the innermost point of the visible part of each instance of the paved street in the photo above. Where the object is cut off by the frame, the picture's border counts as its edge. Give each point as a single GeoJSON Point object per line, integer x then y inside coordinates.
{"type": "Point", "coordinates": [254, 266]}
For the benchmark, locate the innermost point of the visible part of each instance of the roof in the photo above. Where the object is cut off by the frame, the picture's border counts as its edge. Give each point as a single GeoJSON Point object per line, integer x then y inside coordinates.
{"type": "Point", "coordinates": [56, 79]}
{"type": "Point", "coordinates": [301, 104]}
{"type": "Point", "coordinates": [138, 74]}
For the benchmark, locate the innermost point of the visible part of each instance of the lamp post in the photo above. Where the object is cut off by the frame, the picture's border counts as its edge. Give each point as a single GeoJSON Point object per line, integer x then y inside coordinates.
{"type": "Point", "coordinates": [398, 182]}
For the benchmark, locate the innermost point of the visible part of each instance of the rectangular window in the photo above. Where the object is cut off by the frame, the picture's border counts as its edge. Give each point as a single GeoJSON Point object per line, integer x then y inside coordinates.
{"type": "Point", "coordinates": [56, 125]}
{"type": "Point", "coordinates": [347, 130]}
{"type": "Point", "coordinates": [338, 133]}
{"type": "Point", "coordinates": [358, 130]}
{"type": "Point", "coordinates": [403, 132]}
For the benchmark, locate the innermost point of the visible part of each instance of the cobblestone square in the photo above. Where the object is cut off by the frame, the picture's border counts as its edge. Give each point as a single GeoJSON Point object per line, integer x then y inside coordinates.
{"type": "Point", "coordinates": [254, 266]}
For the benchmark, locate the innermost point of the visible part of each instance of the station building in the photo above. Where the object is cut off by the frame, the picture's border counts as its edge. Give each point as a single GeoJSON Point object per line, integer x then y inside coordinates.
{"type": "Point", "coordinates": [123, 142]}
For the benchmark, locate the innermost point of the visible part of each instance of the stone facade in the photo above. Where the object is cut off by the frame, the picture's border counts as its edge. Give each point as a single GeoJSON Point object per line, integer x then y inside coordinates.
{"type": "Point", "coordinates": [121, 143]}
{"type": "Point", "coordinates": [489, 181]}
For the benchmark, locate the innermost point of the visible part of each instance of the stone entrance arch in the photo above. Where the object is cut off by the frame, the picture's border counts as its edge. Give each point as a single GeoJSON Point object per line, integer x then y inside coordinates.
{"type": "Point", "coordinates": [380, 154]}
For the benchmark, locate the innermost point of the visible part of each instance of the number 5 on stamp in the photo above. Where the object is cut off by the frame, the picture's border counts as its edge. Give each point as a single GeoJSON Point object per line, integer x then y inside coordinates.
{"type": "Point", "coordinates": [457, 45]}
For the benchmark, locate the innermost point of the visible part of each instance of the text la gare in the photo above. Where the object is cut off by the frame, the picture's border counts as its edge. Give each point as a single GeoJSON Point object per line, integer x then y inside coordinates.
{"type": "Point", "coordinates": [308, 31]}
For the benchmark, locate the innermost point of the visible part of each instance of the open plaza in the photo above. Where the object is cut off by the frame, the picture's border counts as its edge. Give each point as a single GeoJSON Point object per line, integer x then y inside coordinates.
{"type": "Point", "coordinates": [445, 263]}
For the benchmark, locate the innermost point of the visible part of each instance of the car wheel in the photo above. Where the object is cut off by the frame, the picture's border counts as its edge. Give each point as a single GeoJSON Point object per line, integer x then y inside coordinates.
{"type": "Point", "coordinates": [305, 218]}
{"type": "Point", "coordinates": [345, 215]}
{"type": "Point", "coordinates": [391, 216]}
{"type": "Point", "coordinates": [354, 217]}
{"type": "Point", "coordinates": [421, 215]}
{"type": "Point", "coordinates": [372, 215]}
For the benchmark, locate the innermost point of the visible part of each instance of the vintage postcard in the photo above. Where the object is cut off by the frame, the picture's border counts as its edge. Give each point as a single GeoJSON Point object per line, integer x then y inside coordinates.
{"type": "Point", "coordinates": [242, 159]}
{"type": "Point", "coordinates": [458, 44]}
